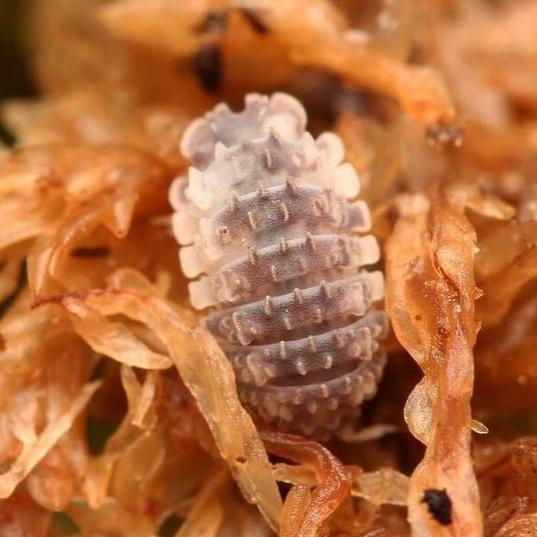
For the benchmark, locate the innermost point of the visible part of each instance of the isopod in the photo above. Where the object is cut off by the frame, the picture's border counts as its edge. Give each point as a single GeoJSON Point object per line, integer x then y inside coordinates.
{"type": "Point", "coordinates": [277, 251]}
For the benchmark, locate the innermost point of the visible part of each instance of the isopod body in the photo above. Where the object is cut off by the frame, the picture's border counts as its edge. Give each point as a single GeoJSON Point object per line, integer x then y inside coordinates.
{"type": "Point", "coordinates": [276, 251]}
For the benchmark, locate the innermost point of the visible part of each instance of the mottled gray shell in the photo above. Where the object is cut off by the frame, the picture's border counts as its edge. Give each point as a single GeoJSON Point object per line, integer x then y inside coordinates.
{"type": "Point", "coordinates": [277, 250]}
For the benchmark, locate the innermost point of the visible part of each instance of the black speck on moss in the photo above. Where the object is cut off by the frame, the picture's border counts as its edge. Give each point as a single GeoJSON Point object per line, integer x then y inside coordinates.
{"type": "Point", "coordinates": [439, 505]}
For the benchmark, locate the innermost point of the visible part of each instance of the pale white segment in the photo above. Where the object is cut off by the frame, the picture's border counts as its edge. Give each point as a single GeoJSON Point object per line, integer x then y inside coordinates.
{"type": "Point", "coordinates": [377, 285]}
{"type": "Point", "coordinates": [186, 140]}
{"type": "Point", "coordinates": [219, 150]}
{"type": "Point", "coordinates": [192, 263]}
{"type": "Point", "coordinates": [371, 249]}
{"type": "Point", "coordinates": [345, 181]}
{"type": "Point", "coordinates": [331, 144]}
{"type": "Point", "coordinates": [288, 104]}
{"type": "Point", "coordinates": [175, 196]}
{"type": "Point", "coordinates": [185, 226]}
{"type": "Point", "coordinates": [366, 214]}
{"type": "Point", "coordinates": [201, 188]}
{"type": "Point", "coordinates": [202, 294]}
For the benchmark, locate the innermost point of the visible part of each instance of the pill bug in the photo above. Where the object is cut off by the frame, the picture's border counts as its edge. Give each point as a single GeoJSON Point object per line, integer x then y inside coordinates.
{"type": "Point", "coordinates": [276, 248]}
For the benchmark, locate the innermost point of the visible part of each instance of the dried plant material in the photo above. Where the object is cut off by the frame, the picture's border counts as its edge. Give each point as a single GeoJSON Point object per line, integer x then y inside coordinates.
{"type": "Point", "coordinates": [67, 191]}
{"type": "Point", "coordinates": [212, 383]}
{"type": "Point", "coordinates": [140, 398]}
{"type": "Point", "coordinates": [207, 513]}
{"type": "Point", "coordinates": [501, 288]}
{"type": "Point", "coordinates": [498, 34]}
{"type": "Point", "coordinates": [152, 128]}
{"type": "Point", "coordinates": [37, 407]}
{"type": "Point", "coordinates": [375, 152]}
{"type": "Point", "coordinates": [506, 357]}
{"type": "Point", "coordinates": [240, 447]}
{"type": "Point", "coordinates": [217, 37]}
{"type": "Point", "coordinates": [294, 510]}
{"type": "Point", "coordinates": [436, 106]}
{"type": "Point", "coordinates": [19, 515]}
{"type": "Point", "coordinates": [60, 474]}
{"type": "Point", "coordinates": [121, 489]}
{"type": "Point", "coordinates": [306, 513]}
{"type": "Point", "coordinates": [35, 446]}
{"type": "Point", "coordinates": [384, 486]}
{"type": "Point", "coordinates": [110, 517]}
{"type": "Point", "coordinates": [322, 38]}
{"type": "Point", "coordinates": [430, 298]}
{"type": "Point", "coordinates": [181, 30]}
{"type": "Point", "coordinates": [523, 525]}
{"type": "Point", "coordinates": [89, 210]}
{"type": "Point", "coordinates": [134, 431]}
{"type": "Point", "coordinates": [113, 339]}
{"type": "Point", "coordinates": [111, 93]}
{"type": "Point", "coordinates": [53, 23]}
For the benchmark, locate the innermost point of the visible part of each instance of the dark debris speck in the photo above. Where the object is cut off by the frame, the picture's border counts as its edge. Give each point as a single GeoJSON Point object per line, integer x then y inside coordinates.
{"type": "Point", "coordinates": [254, 20]}
{"type": "Point", "coordinates": [91, 253]}
{"type": "Point", "coordinates": [439, 504]}
{"type": "Point", "coordinates": [208, 66]}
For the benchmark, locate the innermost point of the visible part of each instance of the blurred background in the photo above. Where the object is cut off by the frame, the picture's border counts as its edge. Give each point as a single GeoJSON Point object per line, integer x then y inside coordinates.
{"type": "Point", "coordinates": [14, 78]}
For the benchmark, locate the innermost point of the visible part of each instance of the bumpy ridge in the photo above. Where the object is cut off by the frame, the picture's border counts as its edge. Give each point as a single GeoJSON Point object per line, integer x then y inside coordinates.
{"type": "Point", "coordinates": [267, 228]}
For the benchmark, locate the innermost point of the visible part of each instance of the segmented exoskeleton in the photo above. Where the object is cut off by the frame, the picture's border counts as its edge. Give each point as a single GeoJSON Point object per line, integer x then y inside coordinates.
{"type": "Point", "coordinates": [267, 229]}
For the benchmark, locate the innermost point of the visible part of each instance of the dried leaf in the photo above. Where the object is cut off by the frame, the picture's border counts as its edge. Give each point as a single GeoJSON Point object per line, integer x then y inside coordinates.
{"type": "Point", "coordinates": [36, 448]}
{"type": "Point", "coordinates": [430, 300]}
{"type": "Point", "coordinates": [206, 514]}
{"type": "Point", "coordinates": [204, 369]}
{"type": "Point", "coordinates": [333, 486]}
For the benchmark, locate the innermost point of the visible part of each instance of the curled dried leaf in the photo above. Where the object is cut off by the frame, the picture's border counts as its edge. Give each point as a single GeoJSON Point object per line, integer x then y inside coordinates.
{"type": "Point", "coordinates": [205, 371]}
{"type": "Point", "coordinates": [112, 339]}
{"type": "Point", "coordinates": [384, 486]}
{"type": "Point", "coordinates": [501, 289]}
{"type": "Point", "coordinates": [520, 525]}
{"type": "Point", "coordinates": [180, 30]}
{"type": "Point", "coordinates": [294, 510]}
{"type": "Point", "coordinates": [57, 195]}
{"type": "Point", "coordinates": [430, 300]}
{"type": "Point", "coordinates": [59, 476]}
{"type": "Point", "coordinates": [320, 39]}
{"type": "Point", "coordinates": [307, 513]}
{"type": "Point", "coordinates": [207, 513]}
{"type": "Point", "coordinates": [19, 515]}
{"type": "Point", "coordinates": [35, 447]}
